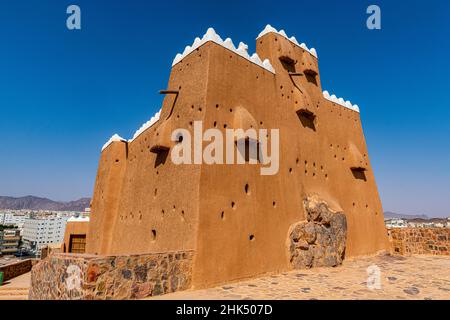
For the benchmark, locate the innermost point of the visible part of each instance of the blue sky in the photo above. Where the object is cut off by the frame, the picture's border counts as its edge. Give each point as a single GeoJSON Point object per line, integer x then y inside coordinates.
{"type": "Point", "coordinates": [64, 93]}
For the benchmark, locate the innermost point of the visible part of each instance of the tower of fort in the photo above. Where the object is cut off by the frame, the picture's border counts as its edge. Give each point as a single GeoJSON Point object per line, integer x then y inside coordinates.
{"type": "Point", "coordinates": [321, 206]}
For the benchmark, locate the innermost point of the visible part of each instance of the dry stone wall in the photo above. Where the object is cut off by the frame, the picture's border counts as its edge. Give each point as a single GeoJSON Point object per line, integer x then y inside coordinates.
{"type": "Point", "coordinates": [407, 241]}
{"type": "Point", "coordinates": [16, 269]}
{"type": "Point", "coordinates": [92, 277]}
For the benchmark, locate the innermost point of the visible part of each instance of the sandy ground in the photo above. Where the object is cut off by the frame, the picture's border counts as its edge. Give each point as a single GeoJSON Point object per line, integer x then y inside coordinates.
{"type": "Point", "coordinates": [17, 288]}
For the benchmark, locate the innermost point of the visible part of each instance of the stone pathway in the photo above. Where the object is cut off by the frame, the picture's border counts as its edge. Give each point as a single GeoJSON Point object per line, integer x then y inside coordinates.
{"type": "Point", "coordinates": [416, 277]}
{"type": "Point", "coordinates": [17, 288]}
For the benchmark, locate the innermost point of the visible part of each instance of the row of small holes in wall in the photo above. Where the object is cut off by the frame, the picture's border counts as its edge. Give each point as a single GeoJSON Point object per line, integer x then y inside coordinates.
{"type": "Point", "coordinates": [315, 167]}
{"type": "Point", "coordinates": [215, 124]}
{"type": "Point", "coordinates": [340, 109]}
{"type": "Point", "coordinates": [338, 148]}
{"type": "Point", "coordinates": [199, 55]}
{"type": "Point", "coordinates": [125, 217]}
{"type": "Point", "coordinates": [247, 64]}
{"type": "Point", "coordinates": [344, 150]}
{"type": "Point", "coordinates": [182, 212]}
{"type": "Point", "coordinates": [292, 92]}
{"type": "Point", "coordinates": [193, 108]}
{"type": "Point", "coordinates": [365, 159]}
{"type": "Point", "coordinates": [174, 209]}
{"type": "Point", "coordinates": [234, 206]}
{"type": "Point", "coordinates": [366, 206]}
{"type": "Point", "coordinates": [287, 96]}
{"type": "Point", "coordinates": [190, 124]}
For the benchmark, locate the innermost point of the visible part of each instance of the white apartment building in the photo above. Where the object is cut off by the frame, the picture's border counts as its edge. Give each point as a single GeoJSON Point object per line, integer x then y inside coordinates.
{"type": "Point", "coordinates": [395, 223]}
{"type": "Point", "coordinates": [9, 218]}
{"type": "Point", "coordinates": [38, 232]}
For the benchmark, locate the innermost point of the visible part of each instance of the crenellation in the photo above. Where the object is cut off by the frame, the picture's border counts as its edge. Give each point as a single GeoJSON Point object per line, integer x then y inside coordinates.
{"type": "Point", "coordinates": [212, 36]}
{"type": "Point", "coordinates": [270, 29]}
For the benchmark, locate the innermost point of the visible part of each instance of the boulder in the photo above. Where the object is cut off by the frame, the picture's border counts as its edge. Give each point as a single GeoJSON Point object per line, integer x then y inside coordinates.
{"type": "Point", "coordinates": [319, 241]}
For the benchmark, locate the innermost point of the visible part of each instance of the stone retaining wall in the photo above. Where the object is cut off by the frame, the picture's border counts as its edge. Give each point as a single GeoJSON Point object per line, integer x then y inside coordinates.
{"type": "Point", "coordinates": [82, 276]}
{"type": "Point", "coordinates": [407, 241]}
{"type": "Point", "coordinates": [16, 269]}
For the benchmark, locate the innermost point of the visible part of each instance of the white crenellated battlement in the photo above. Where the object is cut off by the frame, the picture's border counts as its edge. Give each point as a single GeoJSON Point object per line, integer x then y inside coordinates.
{"type": "Point", "coordinates": [341, 101]}
{"type": "Point", "coordinates": [292, 39]}
{"type": "Point", "coordinates": [241, 50]}
{"type": "Point", "coordinates": [147, 125]}
{"type": "Point", "coordinates": [138, 132]}
{"type": "Point", "coordinates": [114, 138]}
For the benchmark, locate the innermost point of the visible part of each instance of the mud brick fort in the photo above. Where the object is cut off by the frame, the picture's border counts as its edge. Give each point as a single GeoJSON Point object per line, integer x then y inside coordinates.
{"type": "Point", "coordinates": [158, 227]}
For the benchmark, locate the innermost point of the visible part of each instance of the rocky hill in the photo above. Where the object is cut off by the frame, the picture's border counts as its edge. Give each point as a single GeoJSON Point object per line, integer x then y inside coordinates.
{"type": "Point", "coordinates": [393, 215]}
{"type": "Point", "coordinates": [36, 203]}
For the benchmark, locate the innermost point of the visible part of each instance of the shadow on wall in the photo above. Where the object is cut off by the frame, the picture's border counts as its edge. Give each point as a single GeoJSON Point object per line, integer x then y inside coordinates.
{"type": "Point", "coordinates": [288, 64]}
{"type": "Point", "coordinates": [359, 173]}
{"type": "Point", "coordinates": [311, 78]}
{"type": "Point", "coordinates": [307, 119]}
{"type": "Point", "coordinates": [161, 157]}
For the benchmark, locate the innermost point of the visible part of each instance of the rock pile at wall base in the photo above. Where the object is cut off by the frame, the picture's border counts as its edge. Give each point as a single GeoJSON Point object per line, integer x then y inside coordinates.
{"type": "Point", "coordinates": [320, 241]}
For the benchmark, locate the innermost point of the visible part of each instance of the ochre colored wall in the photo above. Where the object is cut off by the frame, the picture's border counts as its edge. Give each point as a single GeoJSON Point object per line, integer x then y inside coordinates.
{"type": "Point", "coordinates": [107, 197]}
{"type": "Point", "coordinates": [144, 192]}
{"type": "Point", "coordinates": [74, 228]}
{"type": "Point", "coordinates": [307, 166]}
{"type": "Point", "coordinates": [214, 84]}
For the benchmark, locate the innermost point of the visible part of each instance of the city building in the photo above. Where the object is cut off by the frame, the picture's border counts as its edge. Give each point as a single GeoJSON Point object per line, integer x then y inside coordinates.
{"type": "Point", "coordinates": [9, 241]}
{"type": "Point", "coordinates": [12, 218]}
{"type": "Point", "coordinates": [428, 223]}
{"type": "Point", "coordinates": [396, 223]}
{"type": "Point", "coordinates": [417, 223]}
{"type": "Point", "coordinates": [38, 232]}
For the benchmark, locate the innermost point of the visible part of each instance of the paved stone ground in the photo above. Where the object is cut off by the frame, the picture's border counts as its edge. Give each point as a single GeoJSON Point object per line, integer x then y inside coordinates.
{"type": "Point", "coordinates": [415, 277]}
{"type": "Point", "coordinates": [17, 288]}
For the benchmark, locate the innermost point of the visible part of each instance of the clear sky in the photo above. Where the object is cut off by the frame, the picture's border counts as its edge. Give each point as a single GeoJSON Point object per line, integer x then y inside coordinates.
{"type": "Point", "coordinates": [64, 93]}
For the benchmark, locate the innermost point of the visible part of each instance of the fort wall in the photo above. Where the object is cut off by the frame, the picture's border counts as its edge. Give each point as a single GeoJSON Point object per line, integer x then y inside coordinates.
{"type": "Point", "coordinates": [236, 220]}
{"type": "Point", "coordinates": [16, 269]}
{"type": "Point", "coordinates": [73, 228]}
{"type": "Point", "coordinates": [408, 241]}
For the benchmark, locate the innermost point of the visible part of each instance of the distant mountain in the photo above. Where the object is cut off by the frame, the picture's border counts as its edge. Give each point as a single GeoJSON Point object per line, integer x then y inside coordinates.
{"type": "Point", "coordinates": [393, 215]}
{"type": "Point", "coordinates": [36, 203]}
